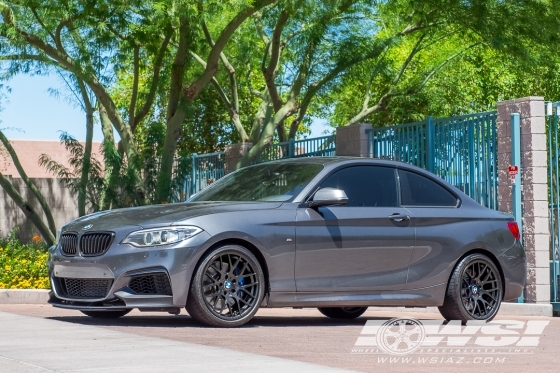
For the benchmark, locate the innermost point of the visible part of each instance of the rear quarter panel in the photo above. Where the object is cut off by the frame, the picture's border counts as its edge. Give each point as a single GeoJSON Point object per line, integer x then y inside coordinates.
{"type": "Point", "coordinates": [444, 235]}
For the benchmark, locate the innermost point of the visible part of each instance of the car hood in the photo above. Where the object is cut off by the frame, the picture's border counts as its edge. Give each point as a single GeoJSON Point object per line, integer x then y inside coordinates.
{"type": "Point", "coordinates": [158, 215]}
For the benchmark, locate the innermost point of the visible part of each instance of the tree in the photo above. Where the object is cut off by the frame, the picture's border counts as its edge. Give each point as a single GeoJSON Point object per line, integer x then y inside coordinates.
{"type": "Point", "coordinates": [309, 49]}
{"type": "Point", "coordinates": [319, 57]}
{"type": "Point", "coordinates": [514, 51]}
{"type": "Point", "coordinates": [79, 95]}
{"type": "Point", "coordinates": [96, 40]}
{"type": "Point", "coordinates": [87, 188]}
{"type": "Point", "coordinates": [153, 69]}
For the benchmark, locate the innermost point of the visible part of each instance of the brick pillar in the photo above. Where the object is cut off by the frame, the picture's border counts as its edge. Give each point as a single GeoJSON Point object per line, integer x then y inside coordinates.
{"type": "Point", "coordinates": [352, 140]}
{"type": "Point", "coordinates": [534, 195]}
{"type": "Point", "coordinates": [234, 153]}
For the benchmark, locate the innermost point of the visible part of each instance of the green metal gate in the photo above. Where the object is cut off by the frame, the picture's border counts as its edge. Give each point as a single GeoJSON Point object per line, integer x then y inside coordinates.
{"type": "Point", "coordinates": [193, 173]}
{"type": "Point", "coordinates": [461, 150]}
{"type": "Point", "coordinates": [553, 145]}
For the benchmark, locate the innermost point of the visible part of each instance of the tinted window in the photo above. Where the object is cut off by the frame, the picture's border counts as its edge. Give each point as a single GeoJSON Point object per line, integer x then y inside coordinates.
{"type": "Point", "coordinates": [417, 190]}
{"type": "Point", "coordinates": [368, 186]}
{"type": "Point", "coordinates": [264, 182]}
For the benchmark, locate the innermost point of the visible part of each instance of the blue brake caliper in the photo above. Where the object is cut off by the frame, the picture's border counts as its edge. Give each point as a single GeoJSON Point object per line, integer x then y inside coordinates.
{"type": "Point", "coordinates": [240, 281]}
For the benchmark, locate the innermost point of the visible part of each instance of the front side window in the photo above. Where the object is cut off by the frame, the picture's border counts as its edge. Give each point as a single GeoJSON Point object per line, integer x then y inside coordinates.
{"type": "Point", "coordinates": [418, 190]}
{"type": "Point", "coordinates": [265, 182]}
{"type": "Point", "coordinates": [365, 186]}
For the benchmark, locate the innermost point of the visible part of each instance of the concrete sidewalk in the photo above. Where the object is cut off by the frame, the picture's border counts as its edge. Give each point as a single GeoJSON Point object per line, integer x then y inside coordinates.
{"type": "Point", "coordinates": [33, 345]}
{"type": "Point", "coordinates": [291, 335]}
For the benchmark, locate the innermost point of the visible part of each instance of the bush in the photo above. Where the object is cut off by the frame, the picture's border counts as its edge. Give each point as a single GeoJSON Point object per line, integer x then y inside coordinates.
{"type": "Point", "coordinates": [23, 266]}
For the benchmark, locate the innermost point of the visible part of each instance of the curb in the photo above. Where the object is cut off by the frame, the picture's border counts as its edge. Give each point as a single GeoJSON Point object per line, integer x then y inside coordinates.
{"type": "Point", "coordinates": [40, 296]}
{"type": "Point", "coordinates": [506, 309]}
{"type": "Point", "coordinates": [24, 296]}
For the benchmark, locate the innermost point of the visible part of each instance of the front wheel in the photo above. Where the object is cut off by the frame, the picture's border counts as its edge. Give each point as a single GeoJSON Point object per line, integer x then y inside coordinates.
{"type": "Point", "coordinates": [106, 314]}
{"type": "Point", "coordinates": [227, 289]}
{"type": "Point", "coordinates": [474, 291]}
{"type": "Point", "coordinates": [343, 313]}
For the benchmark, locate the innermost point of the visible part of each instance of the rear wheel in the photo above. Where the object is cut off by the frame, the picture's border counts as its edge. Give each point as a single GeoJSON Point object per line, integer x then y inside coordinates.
{"type": "Point", "coordinates": [227, 288]}
{"type": "Point", "coordinates": [106, 314]}
{"type": "Point", "coordinates": [344, 313]}
{"type": "Point", "coordinates": [474, 291]}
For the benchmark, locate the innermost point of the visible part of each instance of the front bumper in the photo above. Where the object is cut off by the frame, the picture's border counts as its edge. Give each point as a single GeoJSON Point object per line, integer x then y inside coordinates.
{"type": "Point", "coordinates": [124, 277]}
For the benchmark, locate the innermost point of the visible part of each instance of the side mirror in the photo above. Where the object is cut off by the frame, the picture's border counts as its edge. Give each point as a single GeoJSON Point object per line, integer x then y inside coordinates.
{"type": "Point", "coordinates": [328, 197]}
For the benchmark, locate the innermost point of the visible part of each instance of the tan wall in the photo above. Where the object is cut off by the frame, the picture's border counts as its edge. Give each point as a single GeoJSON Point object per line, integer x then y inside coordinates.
{"type": "Point", "coordinates": [29, 151]}
{"type": "Point", "coordinates": [63, 206]}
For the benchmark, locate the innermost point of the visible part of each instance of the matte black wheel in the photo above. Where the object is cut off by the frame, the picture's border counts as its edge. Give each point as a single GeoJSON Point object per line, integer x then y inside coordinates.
{"type": "Point", "coordinates": [344, 313]}
{"type": "Point", "coordinates": [106, 314]}
{"type": "Point", "coordinates": [474, 291]}
{"type": "Point", "coordinates": [227, 288]}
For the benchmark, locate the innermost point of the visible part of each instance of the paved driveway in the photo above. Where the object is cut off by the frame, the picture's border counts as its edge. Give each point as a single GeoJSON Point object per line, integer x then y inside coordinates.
{"type": "Point", "coordinates": [37, 338]}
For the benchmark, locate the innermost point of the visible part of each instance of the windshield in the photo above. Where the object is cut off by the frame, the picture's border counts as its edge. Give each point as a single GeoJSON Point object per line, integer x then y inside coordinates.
{"type": "Point", "coordinates": [265, 182]}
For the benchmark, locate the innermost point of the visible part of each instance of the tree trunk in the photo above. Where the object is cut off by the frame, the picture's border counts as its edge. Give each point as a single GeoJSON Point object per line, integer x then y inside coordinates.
{"type": "Point", "coordinates": [111, 172]}
{"type": "Point", "coordinates": [165, 174]}
{"type": "Point", "coordinates": [47, 235]}
{"type": "Point", "coordinates": [30, 184]}
{"type": "Point", "coordinates": [86, 166]}
{"type": "Point", "coordinates": [82, 191]}
{"type": "Point", "coordinates": [267, 134]}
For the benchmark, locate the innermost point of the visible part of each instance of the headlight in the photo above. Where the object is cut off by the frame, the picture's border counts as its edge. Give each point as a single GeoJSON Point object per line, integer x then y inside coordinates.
{"type": "Point", "coordinates": [161, 236]}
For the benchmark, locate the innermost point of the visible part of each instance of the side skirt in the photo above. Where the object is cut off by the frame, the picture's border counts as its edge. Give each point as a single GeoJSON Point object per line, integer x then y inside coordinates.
{"type": "Point", "coordinates": [426, 297]}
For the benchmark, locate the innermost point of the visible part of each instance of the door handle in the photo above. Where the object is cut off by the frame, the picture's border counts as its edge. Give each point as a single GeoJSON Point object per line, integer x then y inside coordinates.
{"type": "Point", "coordinates": [399, 217]}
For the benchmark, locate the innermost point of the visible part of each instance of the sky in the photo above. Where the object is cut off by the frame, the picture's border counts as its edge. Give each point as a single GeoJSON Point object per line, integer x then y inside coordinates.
{"type": "Point", "coordinates": [29, 111]}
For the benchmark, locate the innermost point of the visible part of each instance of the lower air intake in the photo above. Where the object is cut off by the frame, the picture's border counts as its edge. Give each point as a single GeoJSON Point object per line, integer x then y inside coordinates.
{"type": "Point", "coordinates": [86, 288]}
{"type": "Point", "coordinates": [157, 283]}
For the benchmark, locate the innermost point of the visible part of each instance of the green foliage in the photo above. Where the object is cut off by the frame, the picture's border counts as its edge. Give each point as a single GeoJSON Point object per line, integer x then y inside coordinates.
{"type": "Point", "coordinates": [119, 190]}
{"type": "Point", "coordinates": [23, 266]}
{"type": "Point", "coordinates": [208, 128]}
{"type": "Point", "coordinates": [344, 61]}
{"type": "Point", "coordinates": [472, 55]}
{"type": "Point", "coordinates": [71, 176]}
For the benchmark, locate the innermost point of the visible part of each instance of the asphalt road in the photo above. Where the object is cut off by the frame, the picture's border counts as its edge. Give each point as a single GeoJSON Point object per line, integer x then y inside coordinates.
{"type": "Point", "coordinates": [36, 338]}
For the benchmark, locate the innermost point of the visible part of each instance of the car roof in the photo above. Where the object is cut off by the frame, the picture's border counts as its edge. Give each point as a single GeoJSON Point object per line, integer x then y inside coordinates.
{"type": "Point", "coordinates": [338, 160]}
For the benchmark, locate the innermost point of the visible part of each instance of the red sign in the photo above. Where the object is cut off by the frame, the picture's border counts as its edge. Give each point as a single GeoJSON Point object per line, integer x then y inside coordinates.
{"type": "Point", "coordinates": [513, 170]}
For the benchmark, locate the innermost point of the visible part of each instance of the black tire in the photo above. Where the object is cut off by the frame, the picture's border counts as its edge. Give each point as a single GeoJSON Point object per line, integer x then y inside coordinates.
{"type": "Point", "coordinates": [106, 314]}
{"type": "Point", "coordinates": [343, 313]}
{"type": "Point", "coordinates": [227, 289]}
{"type": "Point", "coordinates": [474, 291]}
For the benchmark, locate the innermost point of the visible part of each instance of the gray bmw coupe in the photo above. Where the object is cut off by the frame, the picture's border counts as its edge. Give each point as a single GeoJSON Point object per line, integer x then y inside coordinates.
{"type": "Point", "coordinates": [339, 234]}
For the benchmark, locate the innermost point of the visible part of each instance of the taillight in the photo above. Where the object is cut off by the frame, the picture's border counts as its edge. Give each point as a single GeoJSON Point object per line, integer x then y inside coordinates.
{"type": "Point", "coordinates": [514, 229]}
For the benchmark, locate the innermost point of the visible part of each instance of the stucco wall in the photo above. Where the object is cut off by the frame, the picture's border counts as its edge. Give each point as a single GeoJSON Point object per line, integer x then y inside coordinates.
{"type": "Point", "coordinates": [29, 152]}
{"type": "Point", "coordinates": [64, 206]}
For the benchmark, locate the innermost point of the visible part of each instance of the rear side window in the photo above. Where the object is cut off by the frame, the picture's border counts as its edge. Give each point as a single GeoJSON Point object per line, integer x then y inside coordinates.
{"type": "Point", "coordinates": [417, 190]}
{"type": "Point", "coordinates": [366, 186]}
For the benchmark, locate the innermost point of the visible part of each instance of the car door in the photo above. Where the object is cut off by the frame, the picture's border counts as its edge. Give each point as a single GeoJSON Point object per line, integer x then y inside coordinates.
{"type": "Point", "coordinates": [362, 246]}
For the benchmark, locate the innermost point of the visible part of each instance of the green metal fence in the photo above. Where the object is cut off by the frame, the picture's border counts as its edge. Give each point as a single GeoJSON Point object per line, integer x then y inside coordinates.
{"type": "Point", "coordinates": [324, 146]}
{"type": "Point", "coordinates": [553, 145]}
{"type": "Point", "coordinates": [195, 172]}
{"type": "Point", "coordinates": [461, 150]}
